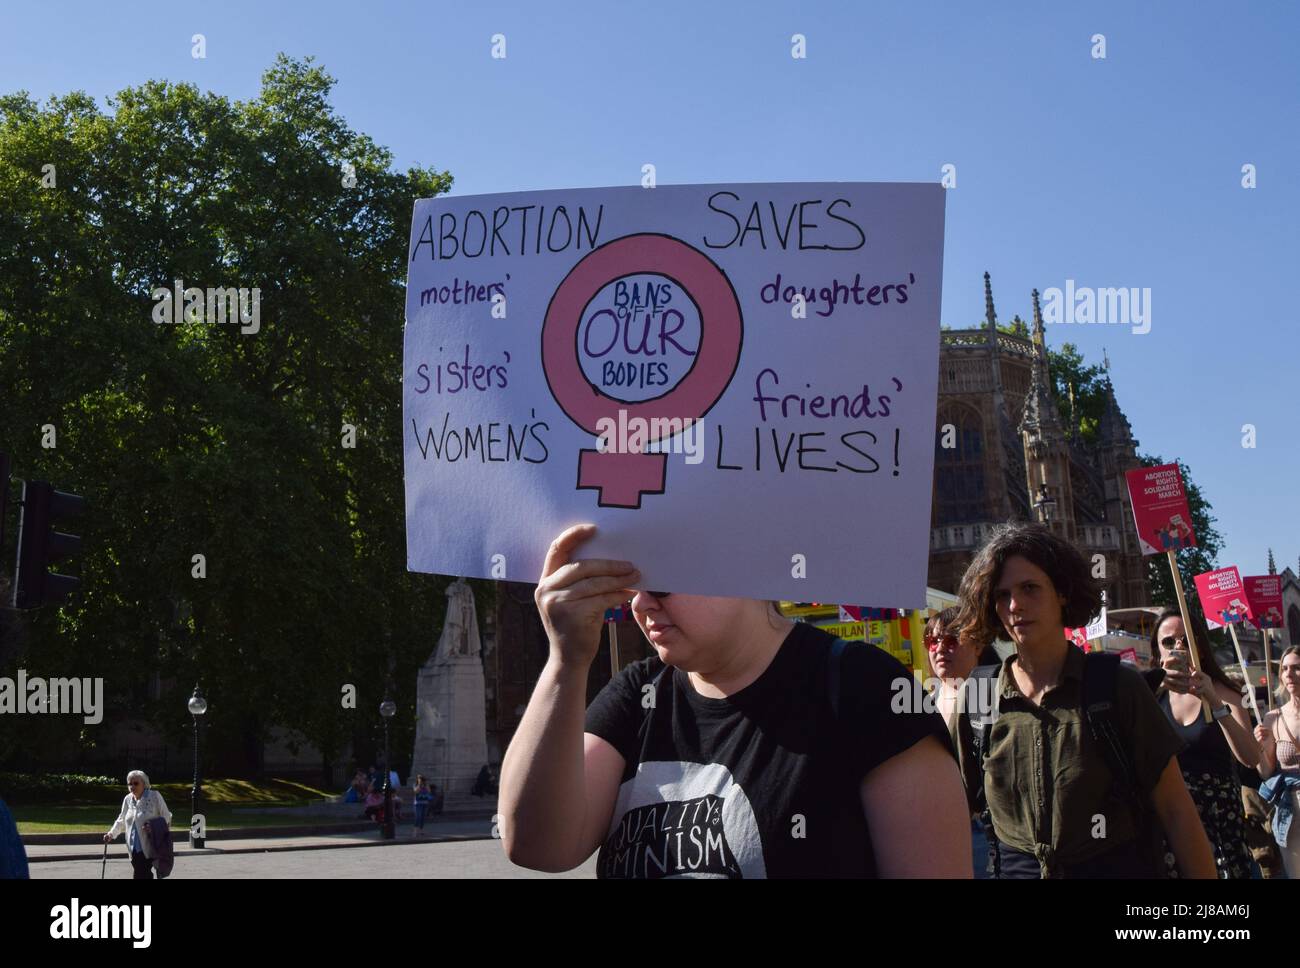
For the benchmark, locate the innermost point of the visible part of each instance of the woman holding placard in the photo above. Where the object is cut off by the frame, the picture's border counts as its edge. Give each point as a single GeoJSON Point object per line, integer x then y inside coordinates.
{"type": "Point", "coordinates": [1212, 749]}
{"type": "Point", "coordinates": [1279, 762]}
{"type": "Point", "coordinates": [747, 746]}
{"type": "Point", "coordinates": [1075, 761]}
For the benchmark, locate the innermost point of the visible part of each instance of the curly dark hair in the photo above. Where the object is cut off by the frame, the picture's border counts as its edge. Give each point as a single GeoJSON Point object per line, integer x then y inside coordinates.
{"type": "Point", "coordinates": [1064, 565]}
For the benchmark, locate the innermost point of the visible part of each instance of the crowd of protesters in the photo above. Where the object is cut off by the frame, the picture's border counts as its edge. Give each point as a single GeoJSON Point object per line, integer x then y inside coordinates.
{"type": "Point", "coordinates": [751, 745]}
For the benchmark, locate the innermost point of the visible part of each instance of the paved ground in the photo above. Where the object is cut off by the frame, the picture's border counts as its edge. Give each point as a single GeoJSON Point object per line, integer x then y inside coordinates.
{"type": "Point", "coordinates": [452, 849]}
{"type": "Point", "coordinates": [399, 859]}
{"type": "Point", "coordinates": [467, 829]}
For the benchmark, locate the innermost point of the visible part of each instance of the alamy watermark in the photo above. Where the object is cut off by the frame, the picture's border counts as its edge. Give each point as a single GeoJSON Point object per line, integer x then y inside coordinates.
{"type": "Point", "coordinates": [1124, 306]}
{"type": "Point", "coordinates": [75, 921]}
{"type": "Point", "coordinates": [914, 695]}
{"type": "Point", "coordinates": [651, 435]}
{"type": "Point", "coordinates": [214, 306]}
{"type": "Point", "coordinates": [82, 697]}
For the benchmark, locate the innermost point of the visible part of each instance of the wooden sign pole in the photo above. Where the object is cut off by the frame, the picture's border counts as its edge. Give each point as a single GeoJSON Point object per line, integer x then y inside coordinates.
{"type": "Point", "coordinates": [613, 648]}
{"type": "Point", "coordinates": [1268, 667]}
{"type": "Point", "coordinates": [1187, 627]}
{"type": "Point", "coordinates": [1245, 673]}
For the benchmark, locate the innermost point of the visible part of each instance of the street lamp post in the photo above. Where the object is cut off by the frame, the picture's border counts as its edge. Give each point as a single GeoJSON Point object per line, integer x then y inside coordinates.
{"type": "Point", "coordinates": [197, 706]}
{"type": "Point", "coordinates": [389, 830]}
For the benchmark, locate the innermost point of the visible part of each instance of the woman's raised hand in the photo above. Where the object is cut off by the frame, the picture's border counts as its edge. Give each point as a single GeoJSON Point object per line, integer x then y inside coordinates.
{"type": "Point", "coordinates": [572, 596]}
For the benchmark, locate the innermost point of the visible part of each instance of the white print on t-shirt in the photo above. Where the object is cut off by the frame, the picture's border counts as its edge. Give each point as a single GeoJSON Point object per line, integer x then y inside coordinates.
{"type": "Point", "coordinates": [676, 819]}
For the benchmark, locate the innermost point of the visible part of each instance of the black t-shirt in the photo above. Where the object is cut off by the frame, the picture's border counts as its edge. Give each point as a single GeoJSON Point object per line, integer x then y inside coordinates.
{"type": "Point", "coordinates": [763, 783]}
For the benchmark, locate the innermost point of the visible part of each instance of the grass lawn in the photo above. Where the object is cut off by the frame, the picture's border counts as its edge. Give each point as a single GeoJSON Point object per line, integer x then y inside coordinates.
{"type": "Point", "coordinates": [95, 808]}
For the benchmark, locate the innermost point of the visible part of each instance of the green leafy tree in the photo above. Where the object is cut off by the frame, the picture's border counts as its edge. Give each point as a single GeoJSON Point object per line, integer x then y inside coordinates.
{"type": "Point", "coordinates": [1069, 370]}
{"type": "Point", "coordinates": [201, 440]}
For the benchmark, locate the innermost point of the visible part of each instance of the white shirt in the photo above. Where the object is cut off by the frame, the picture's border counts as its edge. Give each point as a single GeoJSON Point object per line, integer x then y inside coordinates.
{"type": "Point", "coordinates": [135, 813]}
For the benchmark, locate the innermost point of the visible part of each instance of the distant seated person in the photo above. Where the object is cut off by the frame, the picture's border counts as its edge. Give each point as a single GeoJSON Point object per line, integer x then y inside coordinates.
{"type": "Point", "coordinates": [357, 789]}
{"type": "Point", "coordinates": [482, 781]}
{"type": "Point", "coordinates": [374, 806]}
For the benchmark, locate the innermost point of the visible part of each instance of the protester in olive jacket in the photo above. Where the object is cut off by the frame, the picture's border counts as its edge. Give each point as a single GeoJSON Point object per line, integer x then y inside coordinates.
{"type": "Point", "coordinates": [140, 805]}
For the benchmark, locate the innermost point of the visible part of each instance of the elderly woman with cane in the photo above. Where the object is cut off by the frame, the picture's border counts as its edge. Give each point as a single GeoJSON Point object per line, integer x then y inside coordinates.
{"type": "Point", "coordinates": [139, 806]}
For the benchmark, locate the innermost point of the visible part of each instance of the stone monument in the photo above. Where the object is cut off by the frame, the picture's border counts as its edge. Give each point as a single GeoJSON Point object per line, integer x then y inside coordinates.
{"type": "Point", "coordinates": [451, 733]}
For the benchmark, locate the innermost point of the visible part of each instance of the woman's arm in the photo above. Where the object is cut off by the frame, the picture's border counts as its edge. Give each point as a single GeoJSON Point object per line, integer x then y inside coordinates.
{"type": "Point", "coordinates": [1236, 727]}
{"type": "Point", "coordinates": [1183, 830]}
{"type": "Point", "coordinates": [915, 807]}
{"type": "Point", "coordinates": [558, 785]}
{"type": "Point", "coordinates": [1267, 745]}
{"type": "Point", "coordinates": [120, 823]}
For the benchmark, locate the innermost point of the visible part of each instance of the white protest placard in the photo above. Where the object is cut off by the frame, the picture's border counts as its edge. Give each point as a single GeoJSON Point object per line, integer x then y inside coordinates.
{"type": "Point", "coordinates": [1096, 629]}
{"type": "Point", "coordinates": [736, 383]}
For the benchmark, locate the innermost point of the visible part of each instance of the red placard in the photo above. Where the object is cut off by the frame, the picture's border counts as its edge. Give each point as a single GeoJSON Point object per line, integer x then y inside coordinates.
{"type": "Point", "coordinates": [1223, 597]}
{"type": "Point", "coordinates": [1264, 593]}
{"type": "Point", "coordinates": [1160, 510]}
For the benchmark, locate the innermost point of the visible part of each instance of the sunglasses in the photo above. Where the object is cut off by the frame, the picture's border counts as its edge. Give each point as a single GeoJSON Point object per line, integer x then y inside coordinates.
{"type": "Point", "coordinates": [933, 642]}
{"type": "Point", "coordinates": [1170, 640]}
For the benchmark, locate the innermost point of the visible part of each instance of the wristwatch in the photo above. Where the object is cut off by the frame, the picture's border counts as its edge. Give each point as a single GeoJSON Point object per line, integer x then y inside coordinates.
{"type": "Point", "coordinates": [1223, 710]}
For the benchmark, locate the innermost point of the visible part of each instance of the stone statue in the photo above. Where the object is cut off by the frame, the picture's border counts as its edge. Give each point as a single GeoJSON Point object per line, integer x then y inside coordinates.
{"type": "Point", "coordinates": [460, 629]}
{"type": "Point", "coordinates": [451, 733]}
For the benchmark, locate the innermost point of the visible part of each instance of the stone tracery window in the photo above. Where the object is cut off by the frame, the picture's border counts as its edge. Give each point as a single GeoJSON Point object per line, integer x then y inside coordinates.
{"type": "Point", "coordinates": [959, 489]}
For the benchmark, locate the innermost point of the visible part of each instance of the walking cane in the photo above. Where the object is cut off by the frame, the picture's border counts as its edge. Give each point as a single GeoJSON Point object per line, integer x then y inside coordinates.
{"type": "Point", "coordinates": [104, 865]}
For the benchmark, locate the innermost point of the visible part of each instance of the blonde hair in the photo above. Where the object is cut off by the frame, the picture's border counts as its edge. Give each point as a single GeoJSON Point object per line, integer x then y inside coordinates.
{"type": "Point", "coordinates": [1280, 694]}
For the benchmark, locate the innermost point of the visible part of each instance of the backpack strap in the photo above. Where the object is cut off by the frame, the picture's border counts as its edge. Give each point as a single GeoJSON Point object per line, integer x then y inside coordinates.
{"type": "Point", "coordinates": [981, 714]}
{"type": "Point", "coordinates": [1100, 674]}
{"type": "Point", "coordinates": [833, 662]}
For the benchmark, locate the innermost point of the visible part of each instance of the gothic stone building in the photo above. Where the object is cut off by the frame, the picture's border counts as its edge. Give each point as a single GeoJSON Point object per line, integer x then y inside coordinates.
{"type": "Point", "coordinates": [1010, 457]}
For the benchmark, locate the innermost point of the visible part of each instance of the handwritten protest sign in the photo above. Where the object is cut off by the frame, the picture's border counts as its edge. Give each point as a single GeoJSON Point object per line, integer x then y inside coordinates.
{"type": "Point", "coordinates": [1264, 592]}
{"type": "Point", "coordinates": [735, 383]}
{"type": "Point", "coordinates": [1223, 597]}
{"type": "Point", "coordinates": [1160, 509]}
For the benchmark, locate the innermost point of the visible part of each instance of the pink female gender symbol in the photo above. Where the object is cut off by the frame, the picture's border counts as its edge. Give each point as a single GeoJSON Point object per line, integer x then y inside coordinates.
{"type": "Point", "coordinates": [621, 478]}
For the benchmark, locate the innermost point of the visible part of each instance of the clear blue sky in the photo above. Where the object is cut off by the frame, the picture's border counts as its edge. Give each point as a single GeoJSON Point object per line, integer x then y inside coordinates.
{"type": "Point", "coordinates": [1115, 172]}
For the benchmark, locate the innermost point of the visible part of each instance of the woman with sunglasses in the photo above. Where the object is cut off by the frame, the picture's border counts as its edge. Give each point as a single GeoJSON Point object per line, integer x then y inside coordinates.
{"type": "Point", "coordinates": [728, 753]}
{"type": "Point", "coordinates": [142, 804]}
{"type": "Point", "coordinates": [1212, 750]}
{"type": "Point", "coordinates": [952, 659]}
